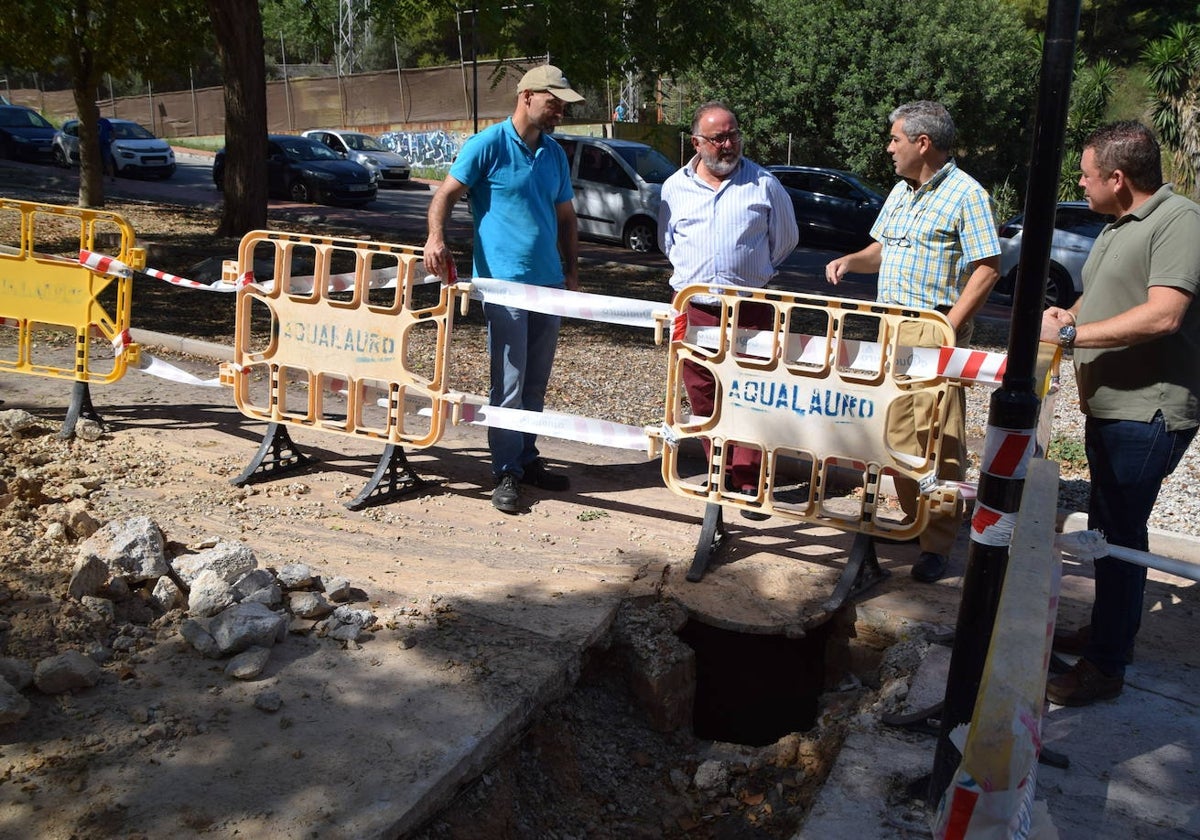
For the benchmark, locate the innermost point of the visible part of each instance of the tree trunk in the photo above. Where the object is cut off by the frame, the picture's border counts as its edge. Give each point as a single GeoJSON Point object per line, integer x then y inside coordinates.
{"type": "Point", "coordinates": [238, 27]}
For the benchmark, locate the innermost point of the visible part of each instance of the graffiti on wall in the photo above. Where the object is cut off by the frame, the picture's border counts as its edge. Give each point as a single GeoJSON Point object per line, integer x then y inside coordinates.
{"type": "Point", "coordinates": [434, 149]}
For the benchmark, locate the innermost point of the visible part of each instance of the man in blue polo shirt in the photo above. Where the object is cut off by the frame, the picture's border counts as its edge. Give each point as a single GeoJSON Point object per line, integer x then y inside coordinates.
{"type": "Point", "coordinates": [519, 183]}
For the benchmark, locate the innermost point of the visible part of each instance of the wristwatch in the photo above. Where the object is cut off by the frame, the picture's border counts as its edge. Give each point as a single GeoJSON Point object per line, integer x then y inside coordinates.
{"type": "Point", "coordinates": [1066, 337]}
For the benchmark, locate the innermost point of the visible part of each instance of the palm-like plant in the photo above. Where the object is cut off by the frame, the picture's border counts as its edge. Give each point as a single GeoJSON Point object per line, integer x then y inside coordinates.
{"type": "Point", "coordinates": [1173, 73]}
{"type": "Point", "coordinates": [1090, 92]}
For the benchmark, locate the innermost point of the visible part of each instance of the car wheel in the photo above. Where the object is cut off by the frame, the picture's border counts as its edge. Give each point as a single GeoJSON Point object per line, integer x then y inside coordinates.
{"type": "Point", "coordinates": [641, 235]}
{"type": "Point", "coordinates": [299, 191]}
{"type": "Point", "coordinates": [1060, 291]}
{"type": "Point", "coordinates": [60, 159]}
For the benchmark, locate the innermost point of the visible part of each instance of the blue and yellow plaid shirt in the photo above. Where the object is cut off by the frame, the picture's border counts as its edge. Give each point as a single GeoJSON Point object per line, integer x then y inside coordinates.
{"type": "Point", "coordinates": [931, 235]}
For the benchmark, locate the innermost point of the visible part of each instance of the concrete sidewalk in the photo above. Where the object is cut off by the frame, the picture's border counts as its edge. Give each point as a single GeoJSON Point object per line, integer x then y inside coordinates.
{"type": "Point", "coordinates": [1134, 762]}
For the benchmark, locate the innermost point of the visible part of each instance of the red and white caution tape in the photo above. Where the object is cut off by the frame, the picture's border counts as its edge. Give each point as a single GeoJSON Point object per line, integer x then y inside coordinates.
{"type": "Point", "coordinates": [103, 264]}
{"type": "Point", "coordinates": [1006, 455]}
{"type": "Point", "coordinates": [380, 278]}
{"type": "Point", "coordinates": [960, 363]}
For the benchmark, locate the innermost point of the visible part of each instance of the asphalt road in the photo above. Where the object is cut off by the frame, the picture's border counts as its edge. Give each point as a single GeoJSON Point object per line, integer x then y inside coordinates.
{"type": "Point", "coordinates": [404, 211]}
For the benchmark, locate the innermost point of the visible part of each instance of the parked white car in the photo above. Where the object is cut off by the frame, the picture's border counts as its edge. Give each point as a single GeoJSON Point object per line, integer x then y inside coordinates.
{"type": "Point", "coordinates": [134, 150]}
{"type": "Point", "coordinates": [390, 169]}
{"type": "Point", "coordinates": [1076, 227]}
{"type": "Point", "coordinates": [617, 185]}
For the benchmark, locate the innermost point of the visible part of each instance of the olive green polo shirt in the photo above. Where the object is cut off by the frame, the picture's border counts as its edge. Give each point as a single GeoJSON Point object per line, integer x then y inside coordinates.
{"type": "Point", "coordinates": [1158, 244]}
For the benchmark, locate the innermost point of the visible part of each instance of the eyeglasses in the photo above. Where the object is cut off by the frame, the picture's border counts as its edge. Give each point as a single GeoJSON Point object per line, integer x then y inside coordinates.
{"type": "Point", "coordinates": [729, 138]}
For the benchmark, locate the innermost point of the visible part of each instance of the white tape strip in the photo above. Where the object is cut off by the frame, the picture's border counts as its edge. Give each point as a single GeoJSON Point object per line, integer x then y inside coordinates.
{"type": "Point", "coordinates": [154, 366]}
{"type": "Point", "coordinates": [612, 310]}
{"type": "Point", "coordinates": [554, 424]}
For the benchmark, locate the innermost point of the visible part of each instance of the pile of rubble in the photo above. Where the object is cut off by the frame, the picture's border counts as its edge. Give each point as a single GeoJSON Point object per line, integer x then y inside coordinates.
{"type": "Point", "coordinates": [130, 587]}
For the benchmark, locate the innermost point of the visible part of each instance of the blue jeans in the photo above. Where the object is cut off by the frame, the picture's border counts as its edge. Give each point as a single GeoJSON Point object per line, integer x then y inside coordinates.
{"type": "Point", "coordinates": [521, 346]}
{"type": "Point", "coordinates": [1128, 461]}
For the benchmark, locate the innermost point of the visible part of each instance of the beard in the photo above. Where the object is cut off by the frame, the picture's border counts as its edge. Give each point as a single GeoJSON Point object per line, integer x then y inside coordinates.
{"type": "Point", "coordinates": [721, 162]}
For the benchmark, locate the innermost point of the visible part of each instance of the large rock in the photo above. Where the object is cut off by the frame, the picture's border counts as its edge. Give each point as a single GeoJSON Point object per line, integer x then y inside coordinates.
{"type": "Point", "coordinates": [90, 574]}
{"type": "Point", "coordinates": [245, 625]}
{"type": "Point", "coordinates": [65, 672]}
{"type": "Point", "coordinates": [210, 594]}
{"type": "Point", "coordinates": [16, 672]}
{"type": "Point", "coordinates": [130, 547]}
{"type": "Point", "coordinates": [229, 560]}
{"type": "Point", "coordinates": [13, 705]}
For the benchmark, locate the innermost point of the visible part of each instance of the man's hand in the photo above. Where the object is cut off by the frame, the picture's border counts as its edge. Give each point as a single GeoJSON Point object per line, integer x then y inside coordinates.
{"type": "Point", "coordinates": [438, 258]}
{"type": "Point", "coordinates": [835, 270]}
{"type": "Point", "coordinates": [1053, 320]}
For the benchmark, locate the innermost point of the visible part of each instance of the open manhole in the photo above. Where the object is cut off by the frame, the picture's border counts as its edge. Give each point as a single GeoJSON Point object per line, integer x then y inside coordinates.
{"type": "Point", "coordinates": [754, 688]}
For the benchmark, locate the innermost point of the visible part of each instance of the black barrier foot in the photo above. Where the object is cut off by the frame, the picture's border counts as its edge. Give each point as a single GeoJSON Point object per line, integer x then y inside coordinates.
{"type": "Point", "coordinates": [711, 537]}
{"type": "Point", "coordinates": [81, 406]}
{"type": "Point", "coordinates": [862, 571]}
{"type": "Point", "coordinates": [275, 456]}
{"type": "Point", "coordinates": [394, 474]}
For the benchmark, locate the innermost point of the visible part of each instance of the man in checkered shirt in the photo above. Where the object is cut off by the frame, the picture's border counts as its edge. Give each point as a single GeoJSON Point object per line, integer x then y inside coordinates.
{"type": "Point", "coordinates": [935, 248]}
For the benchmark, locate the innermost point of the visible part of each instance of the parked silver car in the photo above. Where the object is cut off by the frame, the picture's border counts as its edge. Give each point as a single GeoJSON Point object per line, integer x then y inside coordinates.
{"type": "Point", "coordinates": [1076, 227]}
{"type": "Point", "coordinates": [618, 186]}
{"type": "Point", "coordinates": [134, 150]}
{"type": "Point", "coordinates": [390, 169]}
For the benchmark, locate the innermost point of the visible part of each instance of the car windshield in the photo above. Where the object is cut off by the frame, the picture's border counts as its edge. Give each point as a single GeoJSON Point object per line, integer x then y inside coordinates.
{"type": "Point", "coordinates": [652, 165]}
{"type": "Point", "coordinates": [300, 148]}
{"type": "Point", "coordinates": [130, 131]}
{"type": "Point", "coordinates": [363, 143]}
{"type": "Point", "coordinates": [22, 118]}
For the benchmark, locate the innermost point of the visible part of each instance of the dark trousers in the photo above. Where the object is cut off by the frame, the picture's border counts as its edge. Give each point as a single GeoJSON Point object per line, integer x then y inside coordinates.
{"type": "Point", "coordinates": [1128, 461]}
{"type": "Point", "coordinates": [744, 462]}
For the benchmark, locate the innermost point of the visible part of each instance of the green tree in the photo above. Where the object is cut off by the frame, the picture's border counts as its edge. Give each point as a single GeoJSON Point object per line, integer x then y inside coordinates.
{"type": "Point", "coordinates": [1173, 72]}
{"type": "Point", "coordinates": [825, 75]}
{"type": "Point", "coordinates": [99, 38]}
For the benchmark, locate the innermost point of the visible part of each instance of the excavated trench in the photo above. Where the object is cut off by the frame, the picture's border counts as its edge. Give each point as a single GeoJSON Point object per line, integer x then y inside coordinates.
{"type": "Point", "coordinates": [676, 729]}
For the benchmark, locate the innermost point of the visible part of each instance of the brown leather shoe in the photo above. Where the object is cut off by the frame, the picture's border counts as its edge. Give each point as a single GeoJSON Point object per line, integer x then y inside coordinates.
{"type": "Point", "coordinates": [1083, 685]}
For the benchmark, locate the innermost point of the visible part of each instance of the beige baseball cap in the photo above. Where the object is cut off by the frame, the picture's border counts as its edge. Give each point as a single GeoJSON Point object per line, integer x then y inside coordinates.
{"type": "Point", "coordinates": [550, 79]}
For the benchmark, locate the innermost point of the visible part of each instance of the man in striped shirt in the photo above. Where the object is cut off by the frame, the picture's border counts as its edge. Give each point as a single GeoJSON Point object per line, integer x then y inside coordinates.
{"type": "Point", "coordinates": [725, 220]}
{"type": "Point", "coordinates": [935, 248]}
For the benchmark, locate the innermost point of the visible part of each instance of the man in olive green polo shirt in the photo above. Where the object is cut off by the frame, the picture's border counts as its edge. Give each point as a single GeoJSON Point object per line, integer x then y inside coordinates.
{"type": "Point", "coordinates": [1135, 332]}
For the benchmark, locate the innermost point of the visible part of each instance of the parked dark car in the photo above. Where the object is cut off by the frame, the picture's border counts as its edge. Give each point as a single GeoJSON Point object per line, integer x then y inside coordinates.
{"type": "Point", "coordinates": [833, 207]}
{"type": "Point", "coordinates": [1076, 227]}
{"type": "Point", "coordinates": [25, 134]}
{"type": "Point", "coordinates": [301, 169]}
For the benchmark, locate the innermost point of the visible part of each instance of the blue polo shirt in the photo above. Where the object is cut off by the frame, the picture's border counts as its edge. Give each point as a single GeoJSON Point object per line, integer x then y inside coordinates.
{"type": "Point", "coordinates": [514, 191]}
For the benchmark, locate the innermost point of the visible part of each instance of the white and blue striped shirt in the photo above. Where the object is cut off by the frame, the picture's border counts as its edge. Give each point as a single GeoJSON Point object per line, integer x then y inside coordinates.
{"type": "Point", "coordinates": [734, 235]}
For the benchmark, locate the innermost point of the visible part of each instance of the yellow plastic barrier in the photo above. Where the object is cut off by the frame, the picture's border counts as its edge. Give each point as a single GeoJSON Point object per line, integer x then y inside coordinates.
{"type": "Point", "coordinates": [333, 338]}
{"type": "Point", "coordinates": [813, 394]}
{"type": "Point", "coordinates": [44, 289]}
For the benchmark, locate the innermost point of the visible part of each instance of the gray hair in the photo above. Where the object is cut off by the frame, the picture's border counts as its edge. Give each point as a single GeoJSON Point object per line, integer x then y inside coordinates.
{"type": "Point", "coordinates": [928, 118]}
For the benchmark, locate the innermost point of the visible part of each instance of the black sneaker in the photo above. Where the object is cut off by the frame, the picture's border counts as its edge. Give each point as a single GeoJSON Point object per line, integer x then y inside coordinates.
{"type": "Point", "coordinates": [537, 475]}
{"type": "Point", "coordinates": [506, 497]}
